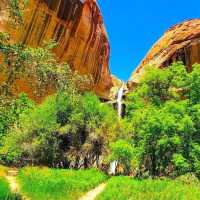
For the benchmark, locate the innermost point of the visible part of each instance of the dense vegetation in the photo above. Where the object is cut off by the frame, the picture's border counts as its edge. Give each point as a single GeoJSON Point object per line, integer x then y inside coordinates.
{"type": "Point", "coordinates": [159, 135]}
{"type": "Point", "coordinates": [51, 184]}
{"type": "Point", "coordinates": [164, 114]}
{"type": "Point", "coordinates": [70, 128]}
{"type": "Point", "coordinates": [61, 132]}
{"type": "Point", "coordinates": [123, 188]}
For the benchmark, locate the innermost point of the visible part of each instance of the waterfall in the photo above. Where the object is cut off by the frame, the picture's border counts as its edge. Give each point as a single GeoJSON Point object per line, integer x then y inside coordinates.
{"type": "Point", "coordinates": [119, 100]}
{"type": "Point", "coordinates": [113, 164]}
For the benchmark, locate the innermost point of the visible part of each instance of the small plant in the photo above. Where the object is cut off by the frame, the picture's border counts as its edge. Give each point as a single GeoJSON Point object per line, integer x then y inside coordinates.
{"type": "Point", "coordinates": [188, 179]}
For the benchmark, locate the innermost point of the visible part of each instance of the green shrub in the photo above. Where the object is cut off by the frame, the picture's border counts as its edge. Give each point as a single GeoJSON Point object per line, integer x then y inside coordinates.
{"type": "Point", "coordinates": [11, 110]}
{"type": "Point", "coordinates": [188, 179]}
{"type": "Point", "coordinates": [122, 152]}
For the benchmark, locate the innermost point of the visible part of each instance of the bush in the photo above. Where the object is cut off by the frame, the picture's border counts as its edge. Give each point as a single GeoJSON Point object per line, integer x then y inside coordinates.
{"type": "Point", "coordinates": [11, 110]}
{"type": "Point", "coordinates": [188, 179]}
{"type": "Point", "coordinates": [122, 152]}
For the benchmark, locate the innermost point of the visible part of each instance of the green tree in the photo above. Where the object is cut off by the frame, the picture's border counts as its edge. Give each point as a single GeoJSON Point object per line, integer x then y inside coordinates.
{"type": "Point", "coordinates": [11, 110]}
{"type": "Point", "coordinates": [122, 152]}
{"type": "Point", "coordinates": [163, 111]}
{"type": "Point", "coordinates": [61, 130]}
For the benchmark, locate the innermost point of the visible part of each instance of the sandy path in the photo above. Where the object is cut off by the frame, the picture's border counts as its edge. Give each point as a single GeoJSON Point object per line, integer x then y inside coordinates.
{"type": "Point", "coordinates": [11, 177]}
{"type": "Point", "coordinates": [91, 195]}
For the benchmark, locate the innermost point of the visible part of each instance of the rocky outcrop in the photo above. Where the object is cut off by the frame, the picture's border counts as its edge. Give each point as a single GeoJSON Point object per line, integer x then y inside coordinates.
{"type": "Point", "coordinates": [180, 43]}
{"type": "Point", "coordinates": [77, 26]}
{"type": "Point", "coordinates": [117, 84]}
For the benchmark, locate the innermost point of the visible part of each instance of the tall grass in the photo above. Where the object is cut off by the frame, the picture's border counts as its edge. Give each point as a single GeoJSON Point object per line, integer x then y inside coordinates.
{"type": "Point", "coordinates": [125, 188]}
{"type": "Point", "coordinates": [54, 184]}
{"type": "Point", "coordinates": [3, 171]}
{"type": "Point", "coordinates": [4, 189]}
{"type": "Point", "coordinates": [5, 193]}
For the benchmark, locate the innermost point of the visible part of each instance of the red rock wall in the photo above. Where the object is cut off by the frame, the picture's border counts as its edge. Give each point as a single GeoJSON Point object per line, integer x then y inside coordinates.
{"type": "Point", "coordinates": [79, 30]}
{"type": "Point", "coordinates": [180, 43]}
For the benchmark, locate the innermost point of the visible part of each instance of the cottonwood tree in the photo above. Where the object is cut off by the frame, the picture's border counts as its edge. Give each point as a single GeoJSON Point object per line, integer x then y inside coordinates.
{"type": "Point", "coordinates": [164, 113]}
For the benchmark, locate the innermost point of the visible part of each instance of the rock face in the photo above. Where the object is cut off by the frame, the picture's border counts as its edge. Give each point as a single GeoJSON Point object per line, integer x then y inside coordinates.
{"type": "Point", "coordinates": [78, 28]}
{"type": "Point", "coordinates": [180, 43]}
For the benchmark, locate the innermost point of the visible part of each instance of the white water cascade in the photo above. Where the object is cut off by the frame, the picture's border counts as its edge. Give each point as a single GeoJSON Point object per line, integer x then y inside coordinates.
{"type": "Point", "coordinates": [119, 100]}
{"type": "Point", "coordinates": [113, 165]}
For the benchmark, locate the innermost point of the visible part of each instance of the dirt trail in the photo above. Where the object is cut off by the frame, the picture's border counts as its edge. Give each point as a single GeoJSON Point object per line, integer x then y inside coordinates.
{"type": "Point", "coordinates": [91, 195]}
{"type": "Point", "coordinates": [11, 177]}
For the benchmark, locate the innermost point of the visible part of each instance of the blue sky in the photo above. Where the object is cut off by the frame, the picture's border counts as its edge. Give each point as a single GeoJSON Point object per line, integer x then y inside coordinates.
{"type": "Point", "coordinates": [134, 25]}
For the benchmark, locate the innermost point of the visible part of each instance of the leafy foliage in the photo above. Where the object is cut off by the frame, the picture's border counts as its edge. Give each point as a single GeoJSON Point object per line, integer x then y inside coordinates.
{"type": "Point", "coordinates": [68, 128]}
{"type": "Point", "coordinates": [11, 110]}
{"type": "Point", "coordinates": [15, 9]}
{"type": "Point", "coordinates": [65, 130]}
{"type": "Point", "coordinates": [163, 111]}
{"type": "Point", "coordinates": [123, 153]}
{"type": "Point", "coordinates": [41, 65]}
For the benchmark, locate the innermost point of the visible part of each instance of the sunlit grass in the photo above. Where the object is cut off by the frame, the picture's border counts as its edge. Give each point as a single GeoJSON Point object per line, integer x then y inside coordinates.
{"type": "Point", "coordinates": [4, 186]}
{"type": "Point", "coordinates": [3, 171]}
{"type": "Point", "coordinates": [55, 184]}
{"type": "Point", "coordinates": [125, 188]}
{"type": "Point", "coordinates": [4, 189]}
{"type": "Point", "coordinates": [5, 192]}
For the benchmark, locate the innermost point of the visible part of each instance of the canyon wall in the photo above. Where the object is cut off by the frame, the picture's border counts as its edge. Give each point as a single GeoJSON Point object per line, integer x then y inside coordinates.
{"type": "Point", "coordinates": [180, 43]}
{"type": "Point", "coordinates": [77, 26]}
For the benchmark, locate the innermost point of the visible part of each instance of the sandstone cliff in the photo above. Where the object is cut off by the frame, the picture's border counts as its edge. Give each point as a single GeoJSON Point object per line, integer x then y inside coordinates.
{"type": "Point", "coordinates": [78, 28]}
{"type": "Point", "coordinates": [180, 43]}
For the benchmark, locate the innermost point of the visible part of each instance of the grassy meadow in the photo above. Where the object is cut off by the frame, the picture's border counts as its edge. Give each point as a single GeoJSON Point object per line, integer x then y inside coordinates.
{"type": "Point", "coordinates": [125, 188]}
{"type": "Point", "coordinates": [53, 184]}
{"type": "Point", "coordinates": [60, 184]}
